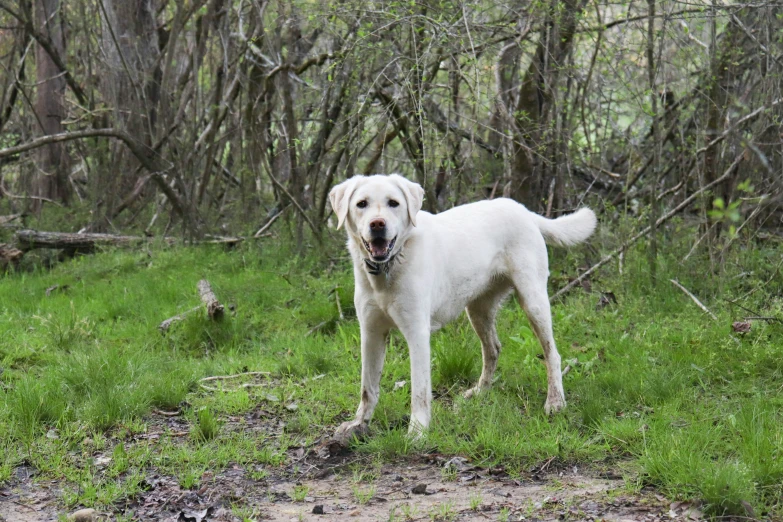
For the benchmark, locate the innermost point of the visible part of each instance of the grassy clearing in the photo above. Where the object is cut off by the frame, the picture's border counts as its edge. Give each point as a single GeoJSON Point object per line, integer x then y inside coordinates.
{"type": "Point", "coordinates": [660, 391]}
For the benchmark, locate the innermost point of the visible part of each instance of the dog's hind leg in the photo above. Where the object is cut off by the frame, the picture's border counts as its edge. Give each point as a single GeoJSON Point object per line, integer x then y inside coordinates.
{"type": "Point", "coordinates": [481, 313]}
{"type": "Point", "coordinates": [532, 293]}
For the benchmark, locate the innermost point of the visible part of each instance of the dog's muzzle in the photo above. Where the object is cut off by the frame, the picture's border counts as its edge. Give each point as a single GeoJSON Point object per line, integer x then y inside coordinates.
{"type": "Point", "coordinates": [379, 248]}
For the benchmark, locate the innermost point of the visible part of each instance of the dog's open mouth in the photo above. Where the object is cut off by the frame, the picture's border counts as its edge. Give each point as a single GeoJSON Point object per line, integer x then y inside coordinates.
{"type": "Point", "coordinates": [379, 248]}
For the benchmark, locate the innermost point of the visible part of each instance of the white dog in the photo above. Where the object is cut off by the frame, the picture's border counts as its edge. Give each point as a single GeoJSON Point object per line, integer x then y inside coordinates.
{"type": "Point", "coordinates": [416, 271]}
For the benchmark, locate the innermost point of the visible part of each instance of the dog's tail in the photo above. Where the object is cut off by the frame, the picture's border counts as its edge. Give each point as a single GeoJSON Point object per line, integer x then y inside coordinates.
{"type": "Point", "coordinates": [567, 230]}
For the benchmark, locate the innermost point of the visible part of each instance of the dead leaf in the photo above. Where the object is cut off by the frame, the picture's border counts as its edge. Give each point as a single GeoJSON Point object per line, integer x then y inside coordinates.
{"type": "Point", "coordinates": [575, 347]}
{"type": "Point", "coordinates": [195, 516]}
{"type": "Point", "coordinates": [689, 510]}
{"type": "Point", "coordinates": [457, 463]}
{"type": "Point", "coordinates": [399, 384]}
{"type": "Point", "coordinates": [605, 300]}
{"type": "Point", "coordinates": [741, 326]}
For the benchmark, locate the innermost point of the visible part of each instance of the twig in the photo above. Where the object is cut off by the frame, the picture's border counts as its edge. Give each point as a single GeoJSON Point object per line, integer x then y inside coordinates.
{"type": "Point", "coordinates": [690, 199]}
{"type": "Point", "coordinates": [315, 328]}
{"type": "Point", "coordinates": [235, 376]}
{"type": "Point", "coordinates": [4, 192]}
{"type": "Point", "coordinates": [269, 223]}
{"type": "Point", "coordinates": [293, 200]}
{"type": "Point", "coordinates": [761, 318]}
{"type": "Point", "coordinates": [165, 325]}
{"type": "Point", "coordinates": [695, 299]}
{"type": "Point", "coordinates": [168, 413]}
{"type": "Point", "coordinates": [339, 307]}
{"type": "Point", "coordinates": [245, 385]}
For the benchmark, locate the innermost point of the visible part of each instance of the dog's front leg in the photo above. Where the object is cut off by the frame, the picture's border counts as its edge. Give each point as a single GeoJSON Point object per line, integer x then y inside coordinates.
{"type": "Point", "coordinates": [418, 338]}
{"type": "Point", "coordinates": [373, 333]}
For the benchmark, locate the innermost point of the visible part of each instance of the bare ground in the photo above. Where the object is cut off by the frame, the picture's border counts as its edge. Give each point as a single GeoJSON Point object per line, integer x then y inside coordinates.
{"type": "Point", "coordinates": [322, 489]}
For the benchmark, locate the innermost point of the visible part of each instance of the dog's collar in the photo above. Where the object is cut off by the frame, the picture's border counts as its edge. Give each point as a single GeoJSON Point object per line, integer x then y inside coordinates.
{"type": "Point", "coordinates": [384, 268]}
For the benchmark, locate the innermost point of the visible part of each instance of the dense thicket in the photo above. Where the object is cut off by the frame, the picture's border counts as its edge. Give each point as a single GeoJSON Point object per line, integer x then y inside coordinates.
{"type": "Point", "coordinates": [202, 114]}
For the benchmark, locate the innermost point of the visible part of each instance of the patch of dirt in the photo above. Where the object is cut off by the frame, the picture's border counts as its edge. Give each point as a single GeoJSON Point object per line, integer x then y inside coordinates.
{"type": "Point", "coordinates": [327, 483]}
{"type": "Point", "coordinates": [25, 500]}
{"type": "Point", "coordinates": [313, 488]}
{"type": "Point", "coordinates": [422, 491]}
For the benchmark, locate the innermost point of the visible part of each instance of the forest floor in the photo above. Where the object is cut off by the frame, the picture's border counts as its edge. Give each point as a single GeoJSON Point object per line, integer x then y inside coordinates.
{"type": "Point", "coordinates": [671, 415]}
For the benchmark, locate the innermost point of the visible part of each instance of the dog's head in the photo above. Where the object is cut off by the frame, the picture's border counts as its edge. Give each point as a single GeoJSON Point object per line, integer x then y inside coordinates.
{"type": "Point", "coordinates": [378, 211]}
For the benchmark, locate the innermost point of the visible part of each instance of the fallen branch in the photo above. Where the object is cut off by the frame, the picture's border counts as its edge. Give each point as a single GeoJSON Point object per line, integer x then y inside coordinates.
{"type": "Point", "coordinates": [165, 325]}
{"type": "Point", "coordinates": [695, 299]}
{"type": "Point", "coordinates": [215, 310]}
{"type": "Point", "coordinates": [8, 219]}
{"type": "Point", "coordinates": [646, 230]}
{"type": "Point", "coordinates": [230, 377]}
{"type": "Point", "coordinates": [9, 255]}
{"type": "Point", "coordinates": [235, 376]}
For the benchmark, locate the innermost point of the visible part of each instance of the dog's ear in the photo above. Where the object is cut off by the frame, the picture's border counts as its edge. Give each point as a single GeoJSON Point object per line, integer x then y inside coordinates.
{"type": "Point", "coordinates": [340, 196]}
{"type": "Point", "coordinates": [414, 195]}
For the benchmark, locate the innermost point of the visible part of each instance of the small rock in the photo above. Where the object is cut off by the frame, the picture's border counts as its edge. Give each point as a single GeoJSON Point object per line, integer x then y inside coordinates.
{"type": "Point", "coordinates": [419, 489]}
{"type": "Point", "coordinates": [83, 515]}
{"type": "Point", "coordinates": [398, 478]}
{"type": "Point", "coordinates": [318, 509]}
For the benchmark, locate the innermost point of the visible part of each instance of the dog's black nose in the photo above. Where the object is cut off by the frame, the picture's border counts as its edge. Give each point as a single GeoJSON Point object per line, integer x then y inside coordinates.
{"type": "Point", "coordinates": [377, 226]}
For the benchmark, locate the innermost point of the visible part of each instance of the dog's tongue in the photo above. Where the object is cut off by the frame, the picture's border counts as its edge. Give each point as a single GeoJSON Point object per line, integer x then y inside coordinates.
{"type": "Point", "coordinates": [378, 247]}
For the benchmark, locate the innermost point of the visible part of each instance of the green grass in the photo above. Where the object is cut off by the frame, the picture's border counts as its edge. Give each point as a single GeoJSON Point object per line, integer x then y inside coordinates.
{"type": "Point", "coordinates": [659, 391]}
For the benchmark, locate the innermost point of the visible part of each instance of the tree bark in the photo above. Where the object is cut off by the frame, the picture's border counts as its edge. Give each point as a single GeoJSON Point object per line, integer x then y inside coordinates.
{"type": "Point", "coordinates": [533, 113]}
{"type": "Point", "coordinates": [51, 180]}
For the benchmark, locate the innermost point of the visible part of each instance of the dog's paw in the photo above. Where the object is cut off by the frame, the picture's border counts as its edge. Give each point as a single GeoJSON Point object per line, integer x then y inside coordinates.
{"type": "Point", "coordinates": [554, 404]}
{"type": "Point", "coordinates": [350, 430]}
{"type": "Point", "coordinates": [416, 433]}
{"type": "Point", "coordinates": [472, 392]}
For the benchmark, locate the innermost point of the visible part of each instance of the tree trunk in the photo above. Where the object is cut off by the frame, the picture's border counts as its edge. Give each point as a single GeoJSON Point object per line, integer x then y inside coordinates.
{"type": "Point", "coordinates": [533, 114]}
{"type": "Point", "coordinates": [51, 180]}
{"type": "Point", "coordinates": [130, 85]}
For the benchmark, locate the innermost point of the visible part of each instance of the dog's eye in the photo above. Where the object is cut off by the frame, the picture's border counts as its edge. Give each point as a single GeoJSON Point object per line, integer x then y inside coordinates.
{"type": "Point", "coordinates": [393, 203]}
{"type": "Point", "coordinates": [362, 203]}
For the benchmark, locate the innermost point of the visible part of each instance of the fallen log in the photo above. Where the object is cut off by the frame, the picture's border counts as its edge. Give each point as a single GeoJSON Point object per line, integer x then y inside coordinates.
{"type": "Point", "coordinates": [32, 239]}
{"type": "Point", "coordinates": [87, 242]}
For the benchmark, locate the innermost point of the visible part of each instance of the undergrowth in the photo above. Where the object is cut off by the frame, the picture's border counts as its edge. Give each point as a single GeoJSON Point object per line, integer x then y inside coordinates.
{"type": "Point", "coordinates": [656, 389]}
